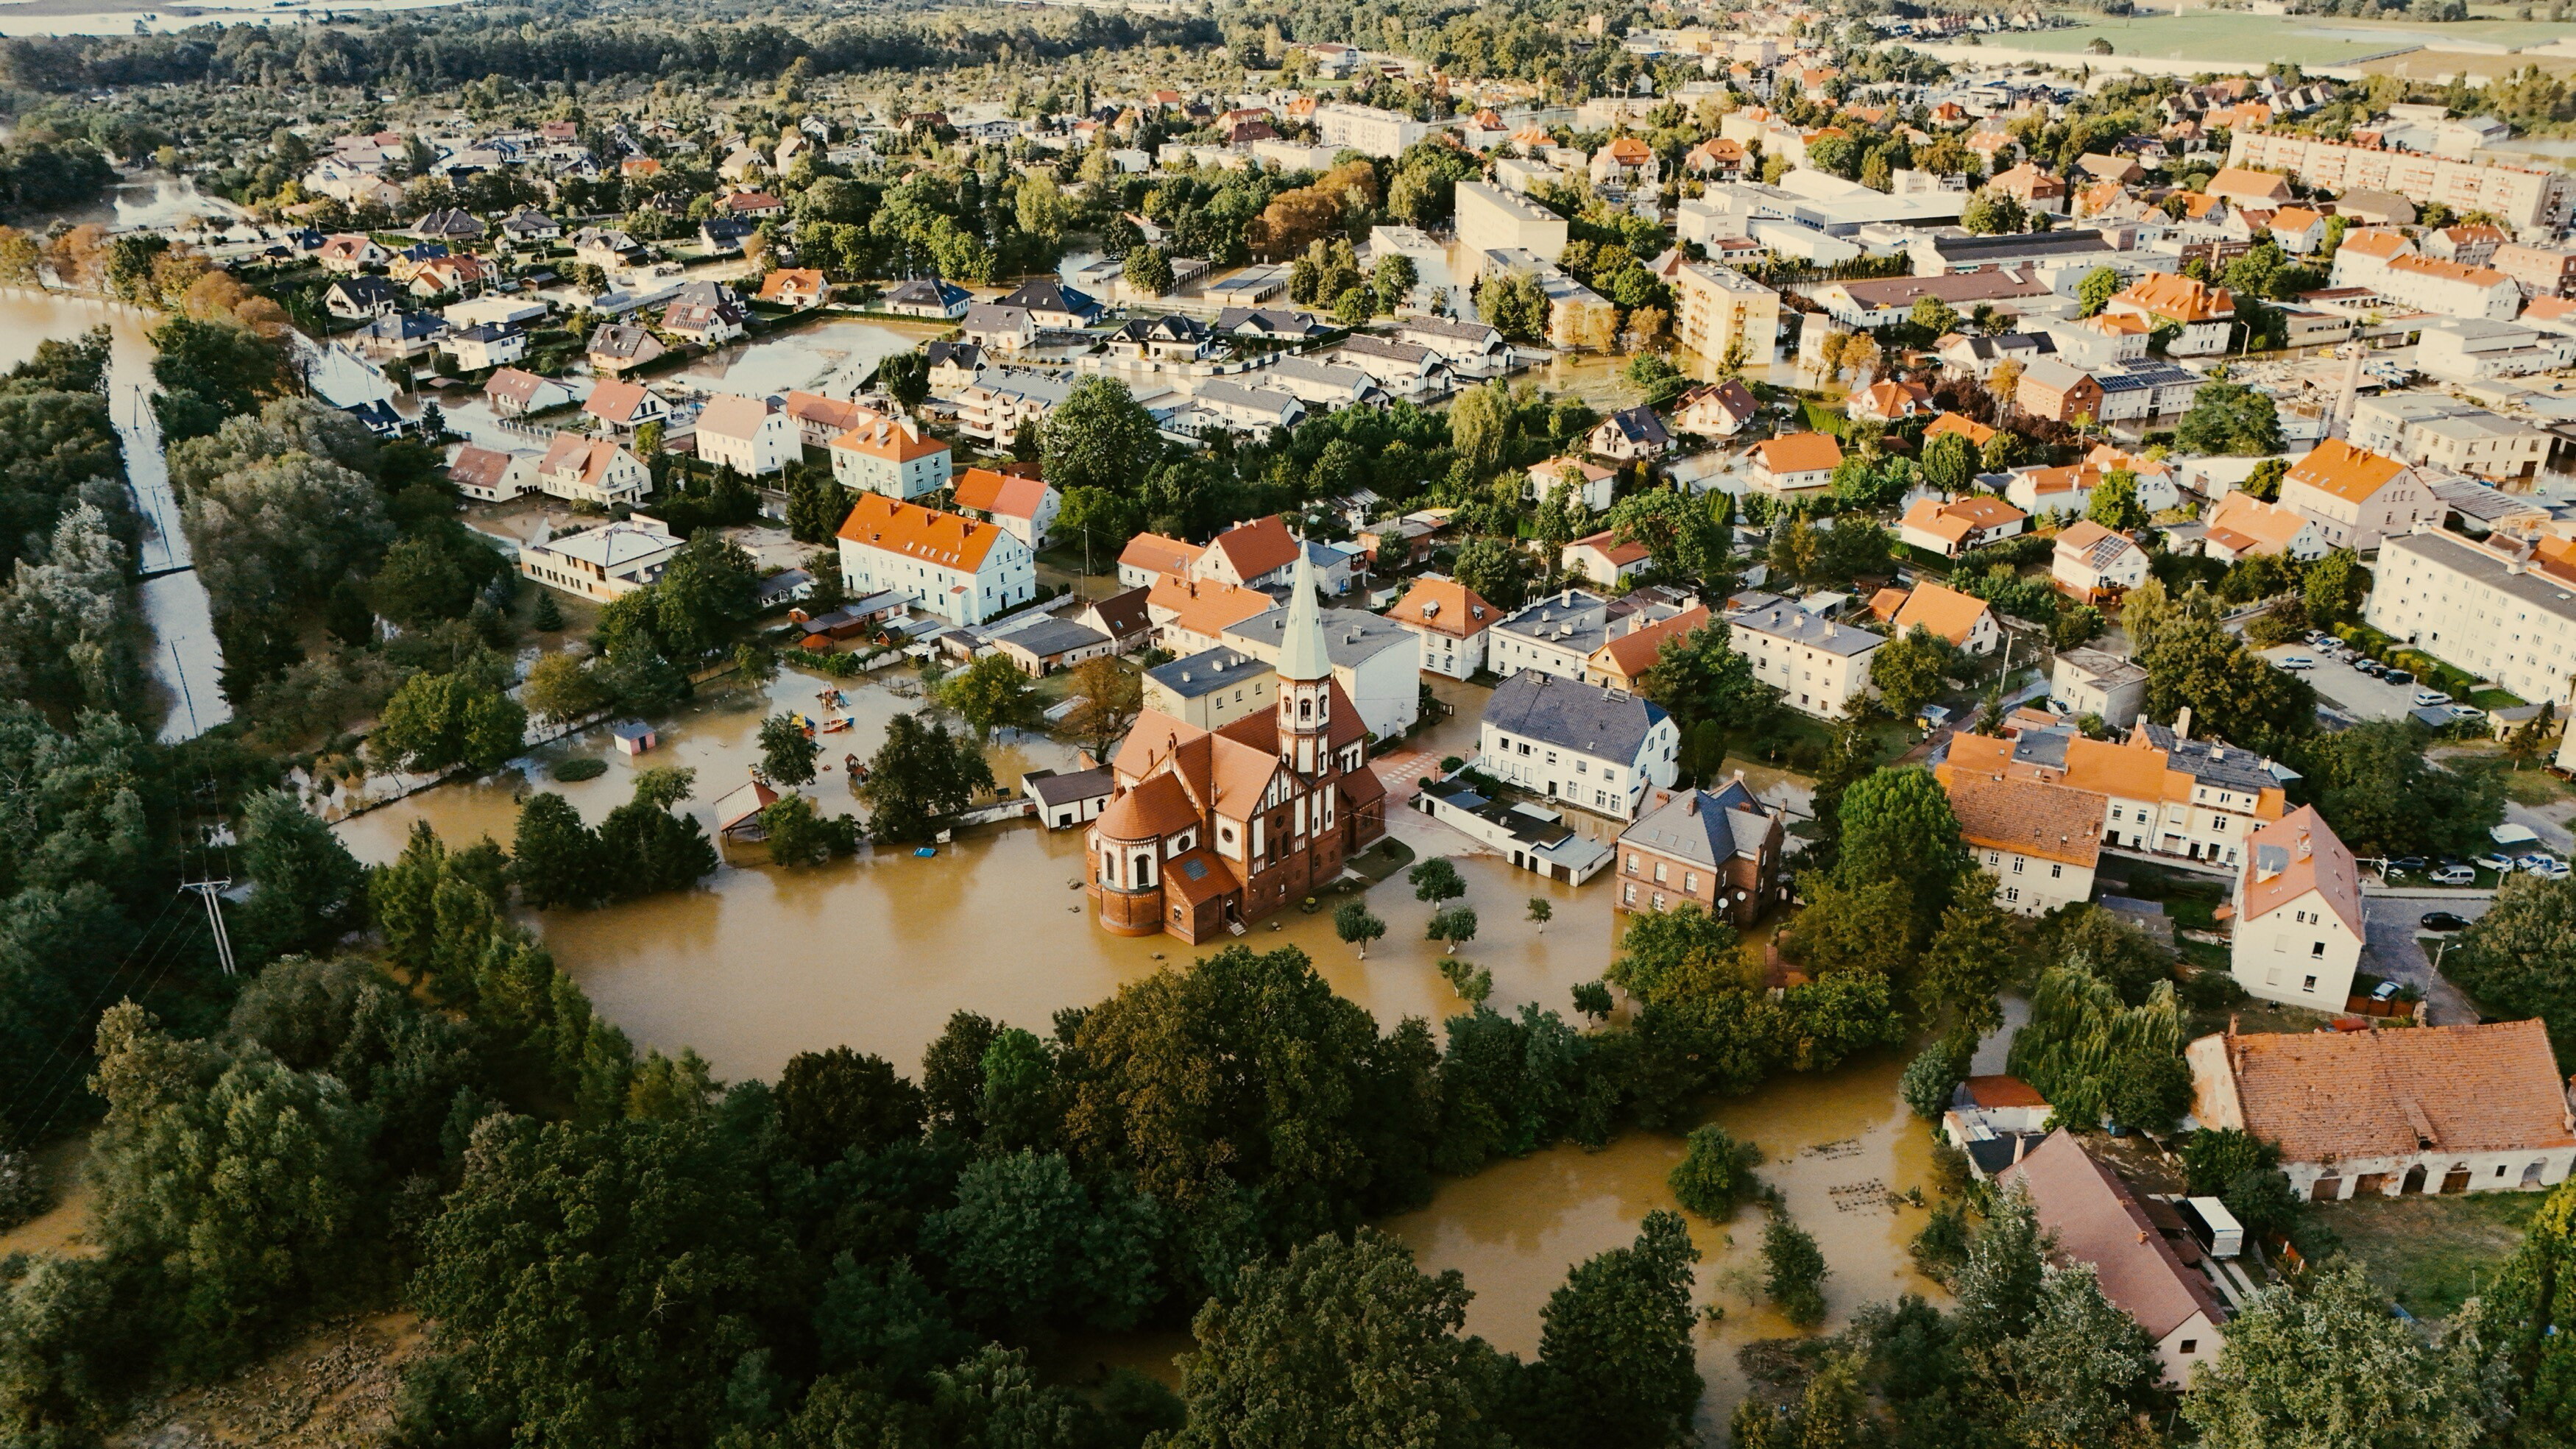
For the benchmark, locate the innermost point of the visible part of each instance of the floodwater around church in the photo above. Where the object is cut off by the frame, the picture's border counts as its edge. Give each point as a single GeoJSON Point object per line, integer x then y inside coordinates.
{"type": "Point", "coordinates": [760, 964]}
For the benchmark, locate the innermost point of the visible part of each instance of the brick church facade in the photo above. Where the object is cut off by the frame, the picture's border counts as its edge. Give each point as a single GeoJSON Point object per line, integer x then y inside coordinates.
{"type": "Point", "coordinates": [1208, 831]}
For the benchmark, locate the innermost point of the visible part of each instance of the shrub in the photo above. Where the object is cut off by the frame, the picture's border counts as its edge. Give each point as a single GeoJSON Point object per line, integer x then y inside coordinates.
{"type": "Point", "coordinates": [1794, 1272]}
{"type": "Point", "coordinates": [1715, 1175]}
{"type": "Point", "coordinates": [576, 770]}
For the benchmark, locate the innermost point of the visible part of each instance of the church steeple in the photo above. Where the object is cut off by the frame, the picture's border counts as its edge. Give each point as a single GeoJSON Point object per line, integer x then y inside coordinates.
{"type": "Point", "coordinates": [1305, 671]}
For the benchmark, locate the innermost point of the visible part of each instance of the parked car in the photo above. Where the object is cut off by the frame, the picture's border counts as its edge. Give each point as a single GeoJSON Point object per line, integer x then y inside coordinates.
{"type": "Point", "coordinates": [2408, 863]}
{"type": "Point", "coordinates": [2384, 991]}
{"type": "Point", "coordinates": [2298, 661]}
{"type": "Point", "coordinates": [2467, 712]}
{"type": "Point", "coordinates": [2551, 870]}
{"type": "Point", "coordinates": [2454, 875]}
{"type": "Point", "coordinates": [2499, 862]}
{"type": "Point", "coordinates": [2399, 676]}
{"type": "Point", "coordinates": [2444, 922]}
{"type": "Point", "coordinates": [2370, 666]}
{"type": "Point", "coordinates": [2536, 861]}
{"type": "Point", "coordinates": [2431, 697]}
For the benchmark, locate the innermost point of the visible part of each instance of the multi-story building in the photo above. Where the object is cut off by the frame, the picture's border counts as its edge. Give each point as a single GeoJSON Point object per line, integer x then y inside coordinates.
{"type": "Point", "coordinates": [2168, 794]}
{"type": "Point", "coordinates": [1554, 635]}
{"type": "Point", "coordinates": [1212, 688]}
{"type": "Point", "coordinates": [2297, 934]}
{"type": "Point", "coordinates": [2204, 314]}
{"type": "Point", "coordinates": [743, 434]}
{"type": "Point", "coordinates": [1491, 219]}
{"type": "Point", "coordinates": [591, 470]}
{"type": "Point", "coordinates": [2105, 686]}
{"type": "Point", "coordinates": [992, 409]}
{"type": "Point", "coordinates": [1623, 659]}
{"type": "Point", "coordinates": [1965, 620]}
{"type": "Point", "coordinates": [2040, 840]}
{"type": "Point", "coordinates": [2244, 526]}
{"type": "Point", "coordinates": [2528, 200]}
{"type": "Point", "coordinates": [2443, 434]}
{"type": "Point", "coordinates": [601, 564]}
{"type": "Point", "coordinates": [1376, 664]}
{"type": "Point", "coordinates": [2538, 271]}
{"type": "Point", "coordinates": [1719, 849]}
{"type": "Point", "coordinates": [1453, 622]}
{"type": "Point", "coordinates": [1209, 831]}
{"type": "Point", "coordinates": [2357, 497]}
{"type": "Point", "coordinates": [1368, 130]}
{"type": "Point", "coordinates": [2503, 609]}
{"type": "Point", "coordinates": [949, 565]}
{"type": "Point", "coordinates": [1956, 526]}
{"type": "Point", "coordinates": [1584, 745]}
{"type": "Point", "coordinates": [2452, 289]}
{"type": "Point", "coordinates": [2095, 564]}
{"type": "Point", "coordinates": [891, 456]}
{"type": "Point", "coordinates": [1817, 665]}
{"type": "Point", "coordinates": [1723, 312]}
{"type": "Point", "coordinates": [1024, 505]}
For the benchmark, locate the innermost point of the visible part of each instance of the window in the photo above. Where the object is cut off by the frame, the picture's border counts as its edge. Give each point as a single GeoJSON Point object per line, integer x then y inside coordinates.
{"type": "Point", "coordinates": [1629, 894]}
{"type": "Point", "coordinates": [2318, 949]}
{"type": "Point", "coordinates": [1659, 872]}
{"type": "Point", "coordinates": [2017, 864]}
{"type": "Point", "coordinates": [2056, 872]}
{"type": "Point", "coordinates": [2311, 984]}
{"type": "Point", "coordinates": [2190, 1345]}
{"type": "Point", "coordinates": [1690, 881]}
{"type": "Point", "coordinates": [2012, 893]}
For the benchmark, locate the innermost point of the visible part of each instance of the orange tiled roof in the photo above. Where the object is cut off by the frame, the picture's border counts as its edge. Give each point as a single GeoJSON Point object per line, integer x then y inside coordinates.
{"type": "Point", "coordinates": [1945, 611]}
{"type": "Point", "coordinates": [2376, 242]}
{"type": "Point", "coordinates": [944, 540]}
{"type": "Point", "coordinates": [2170, 294]}
{"type": "Point", "coordinates": [1801, 453]}
{"type": "Point", "coordinates": [1444, 606]}
{"type": "Point", "coordinates": [1634, 652]}
{"type": "Point", "coordinates": [1206, 606]}
{"type": "Point", "coordinates": [2310, 858]}
{"type": "Point", "coordinates": [1157, 553]}
{"type": "Point", "coordinates": [2322, 1096]}
{"type": "Point", "coordinates": [2030, 817]}
{"type": "Point", "coordinates": [1975, 432]}
{"type": "Point", "coordinates": [1257, 547]}
{"type": "Point", "coordinates": [1007, 494]}
{"type": "Point", "coordinates": [888, 439]}
{"type": "Point", "coordinates": [2349, 473]}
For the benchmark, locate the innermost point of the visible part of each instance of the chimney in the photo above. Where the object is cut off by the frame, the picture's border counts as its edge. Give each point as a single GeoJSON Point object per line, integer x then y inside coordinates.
{"type": "Point", "coordinates": [2182, 723]}
{"type": "Point", "coordinates": [1691, 806]}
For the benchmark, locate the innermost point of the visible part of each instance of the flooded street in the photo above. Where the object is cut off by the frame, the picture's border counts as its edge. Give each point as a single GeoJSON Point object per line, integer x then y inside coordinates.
{"type": "Point", "coordinates": [185, 660]}
{"type": "Point", "coordinates": [760, 963]}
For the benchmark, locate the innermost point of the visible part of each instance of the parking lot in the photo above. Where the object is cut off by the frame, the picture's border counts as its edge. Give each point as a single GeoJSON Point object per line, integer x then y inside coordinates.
{"type": "Point", "coordinates": [2397, 949]}
{"type": "Point", "coordinates": [2348, 689]}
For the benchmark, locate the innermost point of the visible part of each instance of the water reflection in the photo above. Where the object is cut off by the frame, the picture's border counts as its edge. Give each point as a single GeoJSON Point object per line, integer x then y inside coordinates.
{"type": "Point", "coordinates": [759, 963]}
{"type": "Point", "coordinates": [1835, 1146]}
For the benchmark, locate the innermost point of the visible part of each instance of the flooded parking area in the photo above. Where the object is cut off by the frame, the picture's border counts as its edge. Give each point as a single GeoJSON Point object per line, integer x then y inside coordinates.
{"type": "Point", "coordinates": [832, 356]}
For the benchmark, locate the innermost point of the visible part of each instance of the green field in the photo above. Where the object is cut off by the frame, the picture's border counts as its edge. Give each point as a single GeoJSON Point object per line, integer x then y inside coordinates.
{"type": "Point", "coordinates": [2231, 40]}
{"type": "Point", "coordinates": [2431, 1253]}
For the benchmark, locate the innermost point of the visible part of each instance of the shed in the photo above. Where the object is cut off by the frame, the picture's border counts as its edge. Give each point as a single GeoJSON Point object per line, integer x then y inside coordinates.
{"type": "Point", "coordinates": [633, 736]}
{"type": "Point", "coordinates": [738, 813]}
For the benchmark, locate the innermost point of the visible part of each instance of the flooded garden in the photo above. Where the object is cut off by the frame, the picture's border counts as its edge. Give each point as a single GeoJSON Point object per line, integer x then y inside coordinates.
{"type": "Point", "coordinates": [761, 963]}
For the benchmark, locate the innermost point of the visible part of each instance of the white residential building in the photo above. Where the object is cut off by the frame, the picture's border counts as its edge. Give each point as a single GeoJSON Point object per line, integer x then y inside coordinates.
{"type": "Point", "coordinates": [992, 410]}
{"type": "Point", "coordinates": [891, 456]}
{"type": "Point", "coordinates": [603, 563]}
{"type": "Point", "coordinates": [2357, 497]}
{"type": "Point", "coordinates": [1585, 745]}
{"type": "Point", "coordinates": [1377, 663]}
{"type": "Point", "coordinates": [1817, 665]}
{"type": "Point", "coordinates": [1554, 635]}
{"type": "Point", "coordinates": [592, 470]}
{"type": "Point", "coordinates": [1452, 620]}
{"type": "Point", "coordinates": [2502, 610]}
{"type": "Point", "coordinates": [949, 565]}
{"type": "Point", "coordinates": [2297, 935]}
{"type": "Point", "coordinates": [742, 433]}
{"type": "Point", "coordinates": [1491, 219]}
{"type": "Point", "coordinates": [1368, 130]}
{"type": "Point", "coordinates": [2040, 840]}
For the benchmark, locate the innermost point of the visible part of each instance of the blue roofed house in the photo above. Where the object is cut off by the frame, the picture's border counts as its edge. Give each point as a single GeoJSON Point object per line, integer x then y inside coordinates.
{"type": "Point", "coordinates": [1631, 434]}
{"type": "Point", "coordinates": [927, 297]}
{"type": "Point", "coordinates": [1053, 304]}
{"type": "Point", "coordinates": [1587, 745]}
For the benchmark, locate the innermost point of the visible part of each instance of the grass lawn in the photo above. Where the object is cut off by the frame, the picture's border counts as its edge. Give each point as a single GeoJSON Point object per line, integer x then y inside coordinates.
{"type": "Point", "coordinates": [2250, 1015]}
{"type": "Point", "coordinates": [2495, 699]}
{"type": "Point", "coordinates": [1383, 861]}
{"type": "Point", "coordinates": [2431, 1253]}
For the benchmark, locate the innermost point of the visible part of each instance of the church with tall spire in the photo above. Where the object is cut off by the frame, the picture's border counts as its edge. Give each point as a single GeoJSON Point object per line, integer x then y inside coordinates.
{"type": "Point", "coordinates": [1208, 831]}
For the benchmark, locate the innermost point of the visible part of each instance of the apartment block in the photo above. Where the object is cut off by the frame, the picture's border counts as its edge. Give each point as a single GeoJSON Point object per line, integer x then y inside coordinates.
{"type": "Point", "coordinates": [2527, 200]}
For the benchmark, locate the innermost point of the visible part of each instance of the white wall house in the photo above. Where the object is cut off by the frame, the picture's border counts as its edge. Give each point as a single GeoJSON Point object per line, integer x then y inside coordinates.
{"type": "Point", "coordinates": [1815, 663]}
{"type": "Point", "coordinates": [952, 566]}
{"type": "Point", "coordinates": [2501, 610]}
{"type": "Point", "coordinates": [741, 433]}
{"type": "Point", "coordinates": [2298, 934]}
{"type": "Point", "coordinates": [1585, 745]}
{"type": "Point", "coordinates": [890, 456]}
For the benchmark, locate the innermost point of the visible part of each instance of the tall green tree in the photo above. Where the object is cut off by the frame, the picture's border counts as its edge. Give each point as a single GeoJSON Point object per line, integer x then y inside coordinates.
{"type": "Point", "coordinates": [1616, 1358]}
{"type": "Point", "coordinates": [2327, 1364]}
{"type": "Point", "coordinates": [920, 774]}
{"type": "Point", "coordinates": [1344, 1345]}
{"type": "Point", "coordinates": [1099, 437]}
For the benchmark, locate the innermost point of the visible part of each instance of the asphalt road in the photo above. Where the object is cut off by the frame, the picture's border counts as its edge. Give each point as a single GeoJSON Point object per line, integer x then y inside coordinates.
{"type": "Point", "coordinates": [2348, 689]}
{"type": "Point", "coordinates": [2396, 948]}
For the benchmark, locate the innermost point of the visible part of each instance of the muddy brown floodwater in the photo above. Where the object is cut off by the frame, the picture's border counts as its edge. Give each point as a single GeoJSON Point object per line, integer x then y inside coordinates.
{"type": "Point", "coordinates": [761, 963]}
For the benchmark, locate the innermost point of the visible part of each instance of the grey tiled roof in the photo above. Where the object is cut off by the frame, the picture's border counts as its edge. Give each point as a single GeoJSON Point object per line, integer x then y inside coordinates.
{"type": "Point", "coordinates": [1207, 671]}
{"type": "Point", "coordinates": [1778, 617]}
{"type": "Point", "coordinates": [1570, 620]}
{"type": "Point", "coordinates": [1597, 721]}
{"type": "Point", "coordinates": [1706, 826]}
